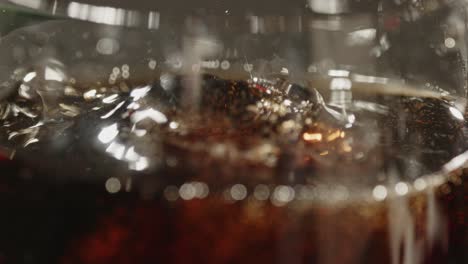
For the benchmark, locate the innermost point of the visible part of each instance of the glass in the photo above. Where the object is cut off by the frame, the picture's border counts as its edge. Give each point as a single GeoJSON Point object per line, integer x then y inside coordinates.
{"type": "Point", "coordinates": [222, 132]}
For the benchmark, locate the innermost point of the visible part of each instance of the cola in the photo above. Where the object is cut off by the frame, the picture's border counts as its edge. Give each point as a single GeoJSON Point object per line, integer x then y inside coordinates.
{"type": "Point", "coordinates": [209, 168]}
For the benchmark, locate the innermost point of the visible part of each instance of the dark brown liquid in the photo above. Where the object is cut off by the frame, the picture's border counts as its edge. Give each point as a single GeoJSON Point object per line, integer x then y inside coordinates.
{"type": "Point", "coordinates": [256, 171]}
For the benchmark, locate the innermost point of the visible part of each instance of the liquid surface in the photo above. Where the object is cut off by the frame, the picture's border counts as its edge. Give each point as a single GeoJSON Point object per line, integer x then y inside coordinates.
{"type": "Point", "coordinates": [230, 131]}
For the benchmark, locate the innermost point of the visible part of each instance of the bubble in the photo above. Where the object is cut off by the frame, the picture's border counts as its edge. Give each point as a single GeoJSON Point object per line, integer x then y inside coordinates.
{"type": "Point", "coordinates": [173, 125]}
{"type": "Point", "coordinates": [201, 190]}
{"type": "Point", "coordinates": [401, 188]}
{"type": "Point", "coordinates": [187, 191]}
{"type": "Point", "coordinates": [107, 46]}
{"type": "Point", "coordinates": [261, 192]}
{"type": "Point", "coordinates": [225, 65]}
{"type": "Point", "coordinates": [450, 43]}
{"type": "Point", "coordinates": [29, 76]}
{"type": "Point", "coordinates": [115, 71]}
{"type": "Point", "coordinates": [113, 185]}
{"type": "Point", "coordinates": [238, 192]}
{"type": "Point", "coordinates": [282, 195]}
{"type": "Point", "coordinates": [152, 64]}
{"type": "Point", "coordinates": [379, 192]}
{"type": "Point", "coordinates": [171, 193]}
{"type": "Point", "coordinates": [420, 184]}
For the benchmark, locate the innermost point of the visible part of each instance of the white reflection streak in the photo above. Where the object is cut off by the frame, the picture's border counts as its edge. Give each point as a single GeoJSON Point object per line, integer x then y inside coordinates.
{"type": "Point", "coordinates": [139, 93]}
{"type": "Point", "coordinates": [401, 229]}
{"type": "Point", "coordinates": [456, 113]}
{"type": "Point", "coordinates": [153, 20]}
{"type": "Point", "coordinates": [141, 164]}
{"type": "Point", "coordinates": [111, 112]}
{"type": "Point", "coordinates": [53, 74]}
{"type": "Point", "coordinates": [138, 162]}
{"type": "Point", "coordinates": [116, 149]}
{"type": "Point", "coordinates": [135, 161]}
{"type": "Point", "coordinates": [28, 77]}
{"type": "Point", "coordinates": [99, 14]}
{"type": "Point", "coordinates": [108, 133]}
{"type": "Point", "coordinates": [338, 73]}
{"type": "Point", "coordinates": [151, 113]}
{"type": "Point", "coordinates": [436, 223]}
{"type": "Point", "coordinates": [361, 37]}
{"type": "Point", "coordinates": [456, 163]}
{"type": "Point", "coordinates": [110, 99]}
{"type": "Point", "coordinates": [131, 155]}
{"type": "Point", "coordinates": [369, 79]}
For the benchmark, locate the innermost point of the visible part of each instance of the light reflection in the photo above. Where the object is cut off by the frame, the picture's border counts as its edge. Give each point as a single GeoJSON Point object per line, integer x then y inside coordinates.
{"type": "Point", "coordinates": [238, 192]}
{"type": "Point", "coordinates": [30, 141]}
{"type": "Point", "coordinates": [340, 84]}
{"type": "Point", "coordinates": [90, 95]}
{"type": "Point", "coordinates": [131, 155]}
{"type": "Point", "coordinates": [53, 74]}
{"type": "Point", "coordinates": [110, 99]}
{"type": "Point", "coordinates": [141, 164]}
{"type": "Point", "coordinates": [113, 185]}
{"type": "Point", "coordinates": [108, 133]}
{"type": "Point", "coordinates": [312, 137]}
{"type": "Point", "coordinates": [361, 37]}
{"type": "Point", "coordinates": [456, 113]}
{"type": "Point", "coordinates": [456, 162]}
{"type": "Point", "coordinates": [379, 192]}
{"type": "Point", "coordinates": [101, 14]}
{"type": "Point", "coordinates": [187, 191]}
{"type": "Point", "coordinates": [140, 92]}
{"type": "Point", "coordinates": [111, 112]}
{"type": "Point", "coordinates": [369, 79]}
{"type": "Point", "coordinates": [28, 77]}
{"type": "Point", "coordinates": [401, 188]}
{"type": "Point", "coordinates": [139, 132]}
{"type": "Point", "coordinates": [225, 65]}
{"type": "Point", "coordinates": [107, 46]}
{"type": "Point", "coordinates": [334, 135]}
{"type": "Point", "coordinates": [338, 73]}
{"type": "Point", "coordinates": [201, 189]}
{"type": "Point", "coordinates": [174, 125]}
{"type": "Point", "coordinates": [116, 149]}
{"type": "Point", "coordinates": [150, 113]}
{"type": "Point", "coordinates": [24, 91]}
{"type": "Point", "coordinates": [420, 184]}
{"type": "Point", "coordinates": [261, 192]}
{"type": "Point", "coordinates": [282, 195]}
{"type": "Point", "coordinates": [450, 43]}
{"type": "Point", "coordinates": [153, 20]}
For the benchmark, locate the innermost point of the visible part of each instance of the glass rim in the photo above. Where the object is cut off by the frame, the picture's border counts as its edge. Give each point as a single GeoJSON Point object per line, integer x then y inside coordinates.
{"type": "Point", "coordinates": [144, 14]}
